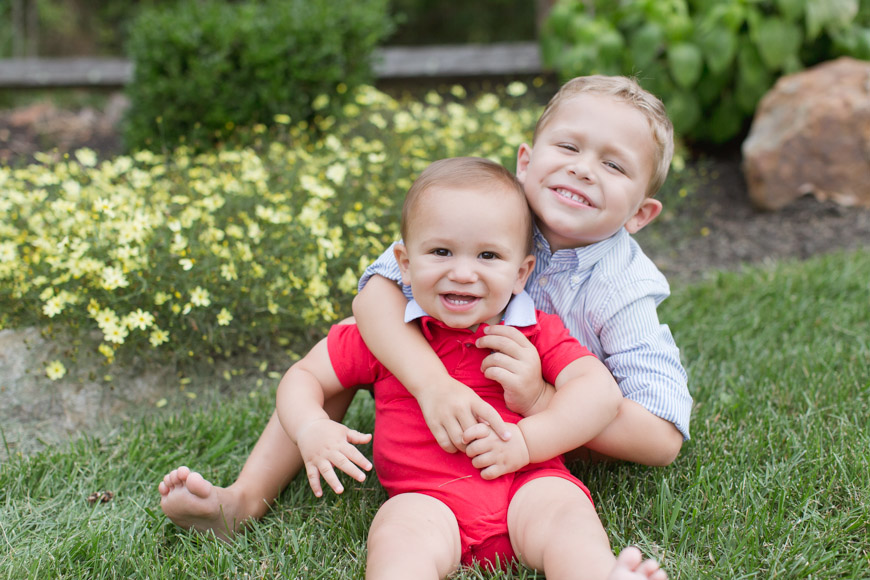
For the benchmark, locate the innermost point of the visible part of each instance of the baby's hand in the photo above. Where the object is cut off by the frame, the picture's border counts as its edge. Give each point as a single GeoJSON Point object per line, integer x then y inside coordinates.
{"type": "Point", "coordinates": [323, 444]}
{"type": "Point", "coordinates": [494, 456]}
{"type": "Point", "coordinates": [451, 407]}
{"type": "Point", "coordinates": [515, 364]}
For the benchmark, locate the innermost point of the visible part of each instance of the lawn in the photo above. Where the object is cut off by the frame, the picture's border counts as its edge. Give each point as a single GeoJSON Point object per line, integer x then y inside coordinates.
{"type": "Point", "coordinates": [775, 482]}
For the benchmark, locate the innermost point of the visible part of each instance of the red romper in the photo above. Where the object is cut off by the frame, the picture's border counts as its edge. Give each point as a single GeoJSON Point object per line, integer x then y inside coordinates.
{"type": "Point", "coordinates": [407, 457]}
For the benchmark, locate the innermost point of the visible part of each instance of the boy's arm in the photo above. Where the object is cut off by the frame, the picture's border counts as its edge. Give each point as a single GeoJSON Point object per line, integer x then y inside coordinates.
{"type": "Point", "coordinates": [585, 400]}
{"type": "Point", "coordinates": [323, 443]}
{"type": "Point", "coordinates": [448, 406]}
{"type": "Point", "coordinates": [640, 352]}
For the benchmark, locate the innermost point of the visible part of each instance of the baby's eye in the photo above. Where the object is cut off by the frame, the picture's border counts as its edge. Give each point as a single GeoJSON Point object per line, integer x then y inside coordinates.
{"type": "Point", "coordinates": [443, 252]}
{"type": "Point", "coordinates": [488, 256]}
{"type": "Point", "coordinates": [568, 147]}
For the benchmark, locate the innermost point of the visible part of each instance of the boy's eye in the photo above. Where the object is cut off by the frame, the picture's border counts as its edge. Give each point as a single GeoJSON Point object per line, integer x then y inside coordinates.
{"type": "Point", "coordinates": [568, 147]}
{"type": "Point", "coordinates": [443, 252]}
{"type": "Point", "coordinates": [488, 256]}
{"type": "Point", "coordinates": [614, 166]}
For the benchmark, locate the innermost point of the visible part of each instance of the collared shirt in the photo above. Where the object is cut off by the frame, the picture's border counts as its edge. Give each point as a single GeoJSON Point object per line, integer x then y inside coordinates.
{"type": "Point", "coordinates": [606, 294]}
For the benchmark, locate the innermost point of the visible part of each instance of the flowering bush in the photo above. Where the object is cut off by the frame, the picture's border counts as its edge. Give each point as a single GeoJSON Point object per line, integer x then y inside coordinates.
{"type": "Point", "coordinates": [189, 256]}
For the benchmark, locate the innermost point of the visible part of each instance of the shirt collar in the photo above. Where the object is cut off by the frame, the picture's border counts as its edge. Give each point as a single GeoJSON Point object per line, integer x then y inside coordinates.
{"type": "Point", "coordinates": [520, 311]}
{"type": "Point", "coordinates": [583, 257]}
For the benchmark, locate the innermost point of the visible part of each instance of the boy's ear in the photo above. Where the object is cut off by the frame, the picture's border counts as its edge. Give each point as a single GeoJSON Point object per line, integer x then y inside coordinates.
{"type": "Point", "coordinates": [523, 273]}
{"type": "Point", "coordinates": [649, 209]}
{"type": "Point", "coordinates": [401, 253]}
{"type": "Point", "coordinates": [524, 156]}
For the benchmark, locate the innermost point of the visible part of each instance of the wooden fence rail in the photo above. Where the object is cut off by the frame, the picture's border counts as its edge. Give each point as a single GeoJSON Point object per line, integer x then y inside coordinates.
{"type": "Point", "coordinates": [390, 63]}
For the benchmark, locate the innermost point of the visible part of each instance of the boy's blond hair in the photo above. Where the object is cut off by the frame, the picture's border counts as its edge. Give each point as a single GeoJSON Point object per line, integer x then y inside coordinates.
{"type": "Point", "coordinates": [468, 173]}
{"type": "Point", "coordinates": [630, 92]}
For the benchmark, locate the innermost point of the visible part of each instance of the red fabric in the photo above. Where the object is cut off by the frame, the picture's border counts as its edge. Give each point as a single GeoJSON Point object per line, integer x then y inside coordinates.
{"type": "Point", "coordinates": [406, 456]}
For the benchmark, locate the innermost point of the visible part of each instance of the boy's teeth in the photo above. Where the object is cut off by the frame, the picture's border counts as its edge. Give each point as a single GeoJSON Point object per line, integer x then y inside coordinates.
{"type": "Point", "coordinates": [572, 196]}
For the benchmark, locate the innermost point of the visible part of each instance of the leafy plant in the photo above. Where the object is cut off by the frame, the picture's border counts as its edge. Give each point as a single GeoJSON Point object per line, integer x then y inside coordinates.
{"type": "Point", "coordinates": [711, 62]}
{"type": "Point", "coordinates": [204, 68]}
{"type": "Point", "coordinates": [190, 256]}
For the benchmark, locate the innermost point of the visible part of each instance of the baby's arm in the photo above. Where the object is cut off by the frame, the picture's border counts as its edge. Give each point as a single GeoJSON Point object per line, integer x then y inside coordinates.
{"type": "Point", "coordinates": [585, 401]}
{"type": "Point", "coordinates": [448, 406]}
{"type": "Point", "coordinates": [323, 443]}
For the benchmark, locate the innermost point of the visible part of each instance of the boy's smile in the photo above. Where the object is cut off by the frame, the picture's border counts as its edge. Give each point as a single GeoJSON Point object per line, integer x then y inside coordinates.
{"type": "Point", "coordinates": [465, 254]}
{"type": "Point", "coordinates": [587, 174]}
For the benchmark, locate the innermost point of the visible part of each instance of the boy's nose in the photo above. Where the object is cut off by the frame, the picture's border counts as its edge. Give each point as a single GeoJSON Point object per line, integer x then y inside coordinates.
{"type": "Point", "coordinates": [581, 168]}
{"type": "Point", "coordinates": [463, 271]}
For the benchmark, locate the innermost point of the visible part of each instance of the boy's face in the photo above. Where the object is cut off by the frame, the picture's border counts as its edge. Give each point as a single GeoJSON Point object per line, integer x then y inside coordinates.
{"type": "Point", "coordinates": [465, 255]}
{"type": "Point", "coordinates": [587, 174]}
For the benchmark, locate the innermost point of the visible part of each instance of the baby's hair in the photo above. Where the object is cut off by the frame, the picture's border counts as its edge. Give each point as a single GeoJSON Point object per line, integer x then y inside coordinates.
{"type": "Point", "coordinates": [629, 91]}
{"type": "Point", "coordinates": [475, 173]}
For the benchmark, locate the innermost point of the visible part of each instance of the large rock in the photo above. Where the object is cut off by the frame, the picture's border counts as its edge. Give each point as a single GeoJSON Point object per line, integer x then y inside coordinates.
{"type": "Point", "coordinates": [811, 134]}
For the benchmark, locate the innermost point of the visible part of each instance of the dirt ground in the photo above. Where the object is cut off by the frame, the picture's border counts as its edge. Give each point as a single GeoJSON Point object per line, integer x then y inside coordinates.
{"type": "Point", "coordinates": [714, 227]}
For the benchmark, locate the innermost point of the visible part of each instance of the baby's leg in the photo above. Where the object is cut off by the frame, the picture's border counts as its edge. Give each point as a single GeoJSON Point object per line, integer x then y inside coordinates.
{"type": "Point", "coordinates": [413, 536]}
{"type": "Point", "coordinates": [194, 503]}
{"type": "Point", "coordinates": [554, 527]}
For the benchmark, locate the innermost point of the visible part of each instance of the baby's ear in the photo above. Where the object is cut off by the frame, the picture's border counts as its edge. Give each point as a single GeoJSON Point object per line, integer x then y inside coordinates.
{"type": "Point", "coordinates": [649, 209]}
{"type": "Point", "coordinates": [401, 253]}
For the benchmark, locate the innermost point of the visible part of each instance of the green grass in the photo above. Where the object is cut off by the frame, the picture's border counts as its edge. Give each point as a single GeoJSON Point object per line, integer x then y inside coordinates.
{"type": "Point", "coordinates": [775, 482]}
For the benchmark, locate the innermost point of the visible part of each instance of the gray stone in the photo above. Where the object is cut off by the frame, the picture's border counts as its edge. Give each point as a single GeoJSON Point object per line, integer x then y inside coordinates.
{"type": "Point", "coordinates": [35, 411]}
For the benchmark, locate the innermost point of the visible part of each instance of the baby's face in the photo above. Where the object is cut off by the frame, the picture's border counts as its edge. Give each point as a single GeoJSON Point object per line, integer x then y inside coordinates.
{"type": "Point", "coordinates": [587, 174]}
{"type": "Point", "coordinates": [465, 255]}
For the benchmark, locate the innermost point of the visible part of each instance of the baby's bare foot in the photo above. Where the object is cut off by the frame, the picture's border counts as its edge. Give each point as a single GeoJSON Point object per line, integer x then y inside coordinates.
{"type": "Point", "coordinates": [630, 565]}
{"type": "Point", "coordinates": [192, 502]}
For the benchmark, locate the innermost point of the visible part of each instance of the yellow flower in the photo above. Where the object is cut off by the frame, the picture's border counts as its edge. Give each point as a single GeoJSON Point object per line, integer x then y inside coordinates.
{"type": "Point", "coordinates": [115, 333]}
{"type": "Point", "coordinates": [113, 278]}
{"type": "Point", "coordinates": [158, 337]}
{"type": "Point", "coordinates": [224, 317]}
{"type": "Point", "coordinates": [55, 370]}
{"type": "Point", "coordinates": [320, 102]}
{"type": "Point", "coordinates": [199, 297]}
{"type": "Point", "coordinates": [106, 318]}
{"type": "Point", "coordinates": [517, 89]}
{"type": "Point", "coordinates": [140, 319]}
{"type": "Point", "coordinates": [107, 351]}
{"type": "Point", "coordinates": [53, 307]}
{"type": "Point", "coordinates": [86, 157]}
{"type": "Point", "coordinates": [228, 272]}
{"type": "Point", "coordinates": [282, 119]}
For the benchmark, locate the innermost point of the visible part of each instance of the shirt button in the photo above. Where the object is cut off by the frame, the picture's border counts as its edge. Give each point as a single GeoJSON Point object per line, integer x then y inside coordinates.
{"type": "Point", "coordinates": [575, 279]}
{"type": "Point", "coordinates": [543, 281]}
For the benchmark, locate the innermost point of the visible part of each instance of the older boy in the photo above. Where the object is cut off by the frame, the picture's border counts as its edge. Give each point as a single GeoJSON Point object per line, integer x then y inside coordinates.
{"type": "Point", "coordinates": [601, 150]}
{"type": "Point", "coordinates": [601, 285]}
{"type": "Point", "coordinates": [467, 269]}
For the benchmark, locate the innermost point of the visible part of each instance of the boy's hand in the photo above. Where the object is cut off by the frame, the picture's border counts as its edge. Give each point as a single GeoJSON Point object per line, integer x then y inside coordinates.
{"type": "Point", "coordinates": [493, 456]}
{"type": "Point", "coordinates": [451, 407]}
{"type": "Point", "coordinates": [515, 364]}
{"type": "Point", "coordinates": [323, 444]}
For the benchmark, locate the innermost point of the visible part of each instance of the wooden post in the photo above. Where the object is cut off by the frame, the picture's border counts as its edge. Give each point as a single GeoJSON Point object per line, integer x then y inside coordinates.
{"type": "Point", "coordinates": [32, 28]}
{"type": "Point", "coordinates": [542, 10]}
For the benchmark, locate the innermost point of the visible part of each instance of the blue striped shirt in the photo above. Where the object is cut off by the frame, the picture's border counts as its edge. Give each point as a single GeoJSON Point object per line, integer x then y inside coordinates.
{"type": "Point", "coordinates": [606, 295]}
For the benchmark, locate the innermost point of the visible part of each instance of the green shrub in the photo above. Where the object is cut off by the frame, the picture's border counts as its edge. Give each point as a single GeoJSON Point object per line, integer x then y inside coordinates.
{"type": "Point", "coordinates": [205, 67]}
{"type": "Point", "coordinates": [710, 62]}
{"type": "Point", "coordinates": [191, 256]}
{"type": "Point", "coordinates": [457, 22]}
